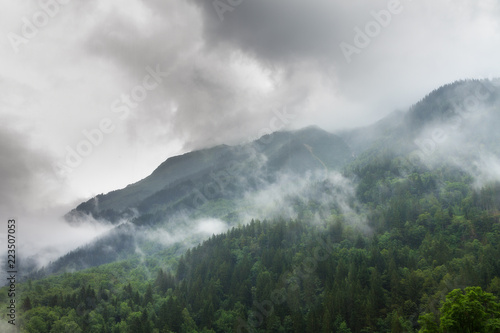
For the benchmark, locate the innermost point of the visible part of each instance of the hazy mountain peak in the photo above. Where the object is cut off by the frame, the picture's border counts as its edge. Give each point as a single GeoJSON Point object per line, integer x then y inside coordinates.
{"type": "Point", "coordinates": [184, 179]}
{"type": "Point", "coordinates": [451, 100]}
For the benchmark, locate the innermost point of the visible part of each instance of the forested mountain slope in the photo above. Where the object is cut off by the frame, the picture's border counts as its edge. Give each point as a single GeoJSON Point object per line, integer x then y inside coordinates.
{"type": "Point", "coordinates": [188, 193]}
{"type": "Point", "coordinates": [325, 233]}
{"type": "Point", "coordinates": [293, 276]}
{"type": "Point", "coordinates": [223, 172]}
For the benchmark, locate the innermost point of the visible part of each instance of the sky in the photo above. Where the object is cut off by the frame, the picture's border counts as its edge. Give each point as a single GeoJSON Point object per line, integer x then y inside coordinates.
{"type": "Point", "coordinates": [96, 94]}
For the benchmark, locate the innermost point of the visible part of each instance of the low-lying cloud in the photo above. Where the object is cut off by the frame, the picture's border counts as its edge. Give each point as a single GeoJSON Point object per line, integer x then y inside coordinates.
{"type": "Point", "coordinates": [320, 193]}
{"type": "Point", "coordinates": [187, 232]}
{"type": "Point", "coordinates": [466, 135]}
{"type": "Point", "coordinates": [226, 77]}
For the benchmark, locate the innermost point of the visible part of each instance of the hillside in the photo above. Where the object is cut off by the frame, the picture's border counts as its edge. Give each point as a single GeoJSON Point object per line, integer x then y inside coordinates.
{"type": "Point", "coordinates": [189, 193]}
{"type": "Point", "coordinates": [294, 276]}
{"type": "Point", "coordinates": [275, 175]}
{"type": "Point", "coordinates": [223, 172]}
{"type": "Point", "coordinates": [317, 232]}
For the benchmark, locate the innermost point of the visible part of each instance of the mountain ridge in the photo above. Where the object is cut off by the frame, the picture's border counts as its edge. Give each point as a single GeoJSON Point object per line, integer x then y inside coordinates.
{"type": "Point", "coordinates": [226, 177]}
{"type": "Point", "coordinates": [269, 154]}
{"type": "Point", "coordinates": [371, 245]}
{"type": "Point", "coordinates": [290, 151]}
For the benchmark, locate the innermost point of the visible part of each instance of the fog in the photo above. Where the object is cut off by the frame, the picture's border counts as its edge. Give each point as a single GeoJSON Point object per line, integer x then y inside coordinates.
{"type": "Point", "coordinates": [45, 236]}
{"type": "Point", "coordinates": [54, 237]}
{"type": "Point", "coordinates": [7, 328]}
{"type": "Point", "coordinates": [467, 135]}
{"type": "Point", "coordinates": [187, 232]}
{"type": "Point", "coordinates": [318, 197]}
{"type": "Point", "coordinates": [225, 77]}
{"type": "Point", "coordinates": [450, 136]}
{"type": "Point", "coordinates": [321, 193]}
{"type": "Point", "coordinates": [218, 78]}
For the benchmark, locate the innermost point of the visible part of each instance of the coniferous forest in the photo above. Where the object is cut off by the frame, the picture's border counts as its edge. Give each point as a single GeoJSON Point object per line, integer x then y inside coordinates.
{"type": "Point", "coordinates": [428, 234]}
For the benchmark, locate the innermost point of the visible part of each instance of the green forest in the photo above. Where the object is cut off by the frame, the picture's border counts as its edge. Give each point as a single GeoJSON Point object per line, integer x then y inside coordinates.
{"type": "Point", "coordinates": [425, 260]}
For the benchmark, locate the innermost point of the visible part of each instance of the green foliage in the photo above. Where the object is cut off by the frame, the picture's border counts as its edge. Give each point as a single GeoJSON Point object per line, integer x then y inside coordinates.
{"type": "Point", "coordinates": [429, 233]}
{"type": "Point", "coordinates": [474, 311]}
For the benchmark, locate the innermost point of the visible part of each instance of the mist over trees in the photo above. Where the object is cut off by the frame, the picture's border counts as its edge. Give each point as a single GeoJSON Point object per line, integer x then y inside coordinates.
{"type": "Point", "coordinates": [398, 233]}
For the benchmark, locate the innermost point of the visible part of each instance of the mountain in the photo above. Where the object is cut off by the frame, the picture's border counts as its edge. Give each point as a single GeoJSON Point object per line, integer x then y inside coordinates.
{"type": "Point", "coordinates": [380, 229]}
{"type": "Point", "coordinates": [361, 139]}
{"type": "Point", "coordinates": [183, 183]}
{"type": "Point", "coordinates": [287, 169]}
{"type": "Point", "coordinates": [450, 122]}
{"type": "Point", "coordinates": [218, 186]}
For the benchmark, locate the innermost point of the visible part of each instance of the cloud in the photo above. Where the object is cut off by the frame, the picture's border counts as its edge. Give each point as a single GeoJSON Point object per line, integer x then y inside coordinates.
{"type": "Point", "coordinates": [31, 194]}
{"type": "Point", "coordinates": [462, 130]}
{"type": "Point", "coordinates": [228, 75]}
{"type": "Point", "coordinates": [45, 237]}
{"type": "Point", "coordinates": [211, 226]}
{"type": "Point", "coordinates": [227, 78]}
{"type": "Point", "coordinates": [280, 32]}
{"type": "Point", "coordinates": [293, 196]}
{"type": "Point", "coordinates": [426, 37]}
{"type": "Point", "coordinates": [185, 231]}
{"type": "Point", "coordinates": [22, 172]}
{"type": "Point", "coordinates": [488, 167]}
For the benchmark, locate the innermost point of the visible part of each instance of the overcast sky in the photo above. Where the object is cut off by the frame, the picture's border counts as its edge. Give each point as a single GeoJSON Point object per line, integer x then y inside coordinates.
{"type": "Point", "coordinates": [150, 79]}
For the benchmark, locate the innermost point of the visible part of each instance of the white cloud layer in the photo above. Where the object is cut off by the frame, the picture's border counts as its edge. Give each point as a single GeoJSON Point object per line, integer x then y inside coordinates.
{"type": "Point", "coordinates": [226, 78]}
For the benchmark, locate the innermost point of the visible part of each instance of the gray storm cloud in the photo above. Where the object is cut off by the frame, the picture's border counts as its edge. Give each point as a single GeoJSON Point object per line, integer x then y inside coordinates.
{"type": "Point", "coordinates": [228, 74]}
{"type": "Point", "coordinates": [228, 79]}
{"type": "Point", "coordinates": [31, 194]}
{"type": "Point", "coordinates": [22, 172]}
